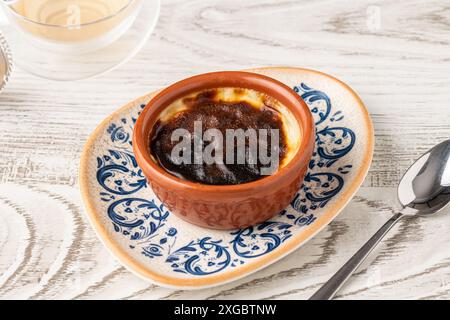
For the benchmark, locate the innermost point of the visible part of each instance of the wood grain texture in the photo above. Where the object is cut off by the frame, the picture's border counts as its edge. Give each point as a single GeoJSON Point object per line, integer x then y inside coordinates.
{"type": "Point", "coordinates": [400, 68]}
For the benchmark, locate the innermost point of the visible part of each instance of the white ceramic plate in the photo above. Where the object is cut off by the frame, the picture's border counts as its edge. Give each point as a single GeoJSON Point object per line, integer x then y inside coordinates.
{"type": "Point", "coordinates": [158, 246]}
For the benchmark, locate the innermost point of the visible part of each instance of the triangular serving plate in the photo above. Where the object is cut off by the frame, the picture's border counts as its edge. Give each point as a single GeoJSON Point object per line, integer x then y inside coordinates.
{"type": "Point", "coordinates": [158, 246]}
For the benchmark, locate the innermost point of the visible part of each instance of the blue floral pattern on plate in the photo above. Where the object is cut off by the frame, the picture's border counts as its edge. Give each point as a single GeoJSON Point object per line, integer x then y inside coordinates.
{"type": "Point", "coordinates": [146, 225]}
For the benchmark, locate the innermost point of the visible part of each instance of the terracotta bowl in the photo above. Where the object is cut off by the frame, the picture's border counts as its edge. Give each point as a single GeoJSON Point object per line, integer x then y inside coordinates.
{"type": "Point", "coordinates": [228, 206]}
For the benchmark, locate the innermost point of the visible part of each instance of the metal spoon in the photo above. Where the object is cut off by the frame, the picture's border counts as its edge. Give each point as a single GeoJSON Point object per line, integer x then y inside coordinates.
{"type": "Point", "coordinates": [422, 191]}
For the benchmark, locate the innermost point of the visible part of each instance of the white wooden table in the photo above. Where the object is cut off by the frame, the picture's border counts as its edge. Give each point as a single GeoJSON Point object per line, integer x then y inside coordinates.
{"type": "Point", "coordinates": [396, 55]}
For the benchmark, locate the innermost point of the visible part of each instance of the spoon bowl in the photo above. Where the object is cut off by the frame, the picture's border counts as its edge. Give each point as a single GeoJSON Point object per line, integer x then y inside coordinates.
{"type": "Point", "coordinates": [425, 187]}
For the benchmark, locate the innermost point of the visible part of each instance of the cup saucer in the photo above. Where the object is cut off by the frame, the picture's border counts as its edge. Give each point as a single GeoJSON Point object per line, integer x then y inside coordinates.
{"type": "Point", "coordinates": [157, 246]}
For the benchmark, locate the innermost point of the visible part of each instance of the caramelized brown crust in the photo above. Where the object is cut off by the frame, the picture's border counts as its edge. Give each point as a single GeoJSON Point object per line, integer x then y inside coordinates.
{"type": "Point", "coordinates": [214, 113]}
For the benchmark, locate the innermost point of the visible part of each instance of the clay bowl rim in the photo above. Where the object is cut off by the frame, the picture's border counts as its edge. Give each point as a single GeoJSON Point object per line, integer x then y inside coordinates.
{"type": "Point", "coordinates": [239, 79]}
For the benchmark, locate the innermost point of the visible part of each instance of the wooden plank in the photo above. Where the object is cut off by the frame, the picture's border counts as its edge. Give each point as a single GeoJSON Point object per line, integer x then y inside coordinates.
{"type": "Point", "coordinates": [399, 67]}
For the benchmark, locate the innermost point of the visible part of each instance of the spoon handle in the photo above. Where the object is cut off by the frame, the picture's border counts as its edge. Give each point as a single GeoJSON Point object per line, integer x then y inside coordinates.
{"type": "Point", "coordinates": [329, 289]}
